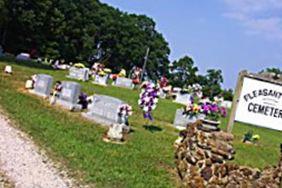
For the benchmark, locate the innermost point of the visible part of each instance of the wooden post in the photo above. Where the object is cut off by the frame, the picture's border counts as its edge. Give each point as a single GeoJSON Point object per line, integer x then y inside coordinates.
{"type": "Point", "coordinates": [145, 64]}
{"type": "Point", "coordinates": [235, 102]}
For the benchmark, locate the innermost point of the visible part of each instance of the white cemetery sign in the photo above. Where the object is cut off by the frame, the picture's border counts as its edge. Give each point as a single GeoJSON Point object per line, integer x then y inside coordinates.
{"type": "Point", "coordinates": [257, 101]}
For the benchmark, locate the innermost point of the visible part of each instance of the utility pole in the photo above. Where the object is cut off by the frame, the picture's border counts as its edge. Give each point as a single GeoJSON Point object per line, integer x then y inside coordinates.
{"type": "Point", "coordinates": [145, 63]}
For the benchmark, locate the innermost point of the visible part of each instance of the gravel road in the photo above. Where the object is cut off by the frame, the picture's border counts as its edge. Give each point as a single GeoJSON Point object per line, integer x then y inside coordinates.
{"type": "Point", "coordinates": [23, 164]}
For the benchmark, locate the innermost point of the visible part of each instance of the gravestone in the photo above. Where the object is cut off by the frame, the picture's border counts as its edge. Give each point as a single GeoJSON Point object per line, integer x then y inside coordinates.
{"type": "Point", "coordinates": [8, 69]}
{"type": "Point", "coordinates": [68, 97]}
{"type": "Point", "coordinates": [104, 110]}
{"type": "Point", "coordinates": [226, 104]}
{"type": "Point", "coordinates": [182, 98]}
{"type": "Point", "coordinates": [23, 57]}
{"type": "Point", "coordinates": [124, 82]}
{"type": "Point", "coordinates": [101, 80]}
{"type": "Point", "coordinates": [79, 73]}
{"type": "Point", "coordinates": [43, 85]}
{"type": "Point", "coordinates": [181, 121]}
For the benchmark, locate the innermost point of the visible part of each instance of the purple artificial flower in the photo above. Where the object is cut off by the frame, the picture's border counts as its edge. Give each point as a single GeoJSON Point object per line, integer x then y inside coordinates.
{"type": "Point", "coordinates": [147, 115]}
{"type": "Point", "coordinates": [223, 112]}
{"type": "Point", "coordinates": [206, 108]}
{"type": "Point", "coordinates": [214, 108]}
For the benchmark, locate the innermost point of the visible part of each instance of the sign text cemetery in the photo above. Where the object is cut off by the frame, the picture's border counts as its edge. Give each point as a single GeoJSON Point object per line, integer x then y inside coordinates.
{"type": "Point", "coordinates": [258, 101]}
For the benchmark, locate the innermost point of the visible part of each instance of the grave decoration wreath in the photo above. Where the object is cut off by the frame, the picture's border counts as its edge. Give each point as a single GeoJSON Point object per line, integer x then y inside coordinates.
{"type": "Point", "coordinates": [148, 100]}
{"type": "Point", "coordinates": [79, 65]}
{"type": "Point", "coordinates": [213, 111]}
{"type": "Point", "coordinates": [124, 111]}
{"type": "Point", "coordinates": [196, 91]}
{"type": "Point", "coordinates": [193, 108]}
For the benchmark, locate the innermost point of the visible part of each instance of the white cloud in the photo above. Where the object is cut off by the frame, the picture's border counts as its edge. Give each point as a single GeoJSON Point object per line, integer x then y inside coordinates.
{"type": "Point", "coordinates": [261, 17]}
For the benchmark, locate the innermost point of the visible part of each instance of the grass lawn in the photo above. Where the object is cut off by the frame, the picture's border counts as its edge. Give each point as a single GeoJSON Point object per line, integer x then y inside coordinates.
{"type": "Point", "coordinates": [146, 160]}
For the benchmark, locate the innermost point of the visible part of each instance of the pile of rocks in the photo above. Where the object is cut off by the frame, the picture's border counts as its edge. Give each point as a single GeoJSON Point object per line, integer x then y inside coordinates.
{"type": "Point", "coordinates": [201, 161]}
{"type": "Point", "coordinates": [4, 182]}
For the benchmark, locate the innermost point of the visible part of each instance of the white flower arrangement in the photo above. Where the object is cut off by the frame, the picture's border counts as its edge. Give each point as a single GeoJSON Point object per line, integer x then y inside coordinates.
{"type": "Point", "coordinates": [125, 110]}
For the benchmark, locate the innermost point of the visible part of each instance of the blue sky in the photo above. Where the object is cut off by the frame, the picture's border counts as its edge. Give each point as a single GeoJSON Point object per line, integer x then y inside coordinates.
{"type": "Point", "coordinates": [231, 35]}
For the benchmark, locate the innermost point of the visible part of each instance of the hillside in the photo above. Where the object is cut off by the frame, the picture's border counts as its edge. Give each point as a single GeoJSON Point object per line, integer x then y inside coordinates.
{"type": "Point", "coordinates": [146, 160]}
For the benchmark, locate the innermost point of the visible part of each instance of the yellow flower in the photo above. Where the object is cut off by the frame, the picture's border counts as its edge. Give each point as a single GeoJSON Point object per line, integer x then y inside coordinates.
{"type": "Point", "coordinates": [256, 137]}
{"type": "Point", "coordinates": [196, 108]}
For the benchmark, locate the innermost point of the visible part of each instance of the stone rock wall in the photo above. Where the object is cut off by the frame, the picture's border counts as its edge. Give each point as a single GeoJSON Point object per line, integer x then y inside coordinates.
{"type": "Point", "coordinates": [202, 161]}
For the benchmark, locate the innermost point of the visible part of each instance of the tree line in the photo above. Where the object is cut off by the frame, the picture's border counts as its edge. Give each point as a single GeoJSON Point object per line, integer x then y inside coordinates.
{"type": "Point", "coordinates": [90, 31]}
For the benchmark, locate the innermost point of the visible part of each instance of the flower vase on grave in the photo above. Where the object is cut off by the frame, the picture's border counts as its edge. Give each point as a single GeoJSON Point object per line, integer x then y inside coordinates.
{"type": "Point", "coordinates": [29, 84]}
{"type": "Point", "coordinates": [115, 133]}
{"type": "Point", "coordinates": [8, 69]}
{"type": "Point", "coordinates": [53, 98]}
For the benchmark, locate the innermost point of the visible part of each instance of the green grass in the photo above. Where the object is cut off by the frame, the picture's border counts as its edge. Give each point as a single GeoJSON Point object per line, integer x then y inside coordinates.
{"type": "Point", "coordinates": [145, 160]}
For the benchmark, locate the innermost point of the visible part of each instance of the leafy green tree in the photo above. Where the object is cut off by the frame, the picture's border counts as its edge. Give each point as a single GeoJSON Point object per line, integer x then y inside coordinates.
{"type": "Point", "coordinates": [184, 72]}
{"type": "Point", "coordinates": [227, 94]}
{"type": "Point", "coordinates": [272, 70]}
{"type": "Point", "coordinates": [80, 31]}
{"type": "Point", "coordinates": [211, 83]}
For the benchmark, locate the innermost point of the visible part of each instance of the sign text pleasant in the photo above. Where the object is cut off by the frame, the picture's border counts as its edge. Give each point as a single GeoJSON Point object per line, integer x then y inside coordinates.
{"type": "Point", "coordinates": [260, 103]}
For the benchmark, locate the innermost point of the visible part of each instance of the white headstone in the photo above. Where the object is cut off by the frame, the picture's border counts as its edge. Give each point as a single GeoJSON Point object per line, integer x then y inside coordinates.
{"type": "Point", "coordinates": [79, 73]}
{"type": "Point", "coordinates": [124, 82]}
{"type": "Point", "coordinates": [226, 104]}
{"type": "Point", "coordinates": [104, 110]}
{"type": "Point", "coordinates": [43, 85]}
{"type": "Point", "coordinates": [101, 80]}
{"type": "Point", "coordinates": [68, 97]}
{"type": "Point", "coordinates": [181, 121]}
{"type": "Point", "coordinates": [183, 98]}
{"type": "Point", "coordinates": [23, 57]}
